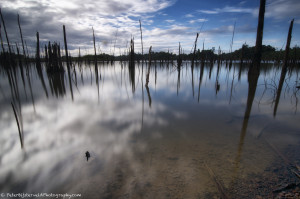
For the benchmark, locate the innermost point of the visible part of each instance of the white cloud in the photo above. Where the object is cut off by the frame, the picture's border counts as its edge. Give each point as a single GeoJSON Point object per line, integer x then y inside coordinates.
{"type": "Point", "coordinates": [283, 9]}
{"type": "Point", "coordinates": [229, 9]}
{"type": "Point", "coordinates": [242, 2]}
{"type": "Point", "coordinates": [209, 11]}
{"type": "Point", "coordinates": [197, 20]}
{"type": "Point", "coordinates": [188, 15]}
{"type": "Point", "coordinates": [169, 21]}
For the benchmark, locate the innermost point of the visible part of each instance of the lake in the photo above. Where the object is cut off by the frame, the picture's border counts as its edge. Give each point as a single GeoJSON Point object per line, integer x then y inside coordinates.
{"type": "Point", "coordinates": [206, 131]}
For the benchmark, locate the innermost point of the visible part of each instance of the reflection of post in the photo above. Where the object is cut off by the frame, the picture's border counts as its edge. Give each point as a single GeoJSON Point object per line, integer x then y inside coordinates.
{"type": "Point", "coordinates": [284, 68]}
{"type": "Point", "coordinates": [132, 77]}
{"type": "Point", "coordinates": [192, 69]}
{"type": "Point", "coordinates": [200, 79]}
{"type": "Point", "coordinates": [142, 96]}
{"type": "Point", "coordinates": [57, 83]}
{"type": "Point", "coordinates": [96, 66]}
{"type": "Point", "coordinates": [131, 66]}
{"type": "Point", "coordinates": [178, 79]}
{"type": "Point", "coordinates": [147, 79]}
{"type": "Point", "coordinates": [155, 75]}
{"type": "Point", "coordinates": [30, 88]}
{"type": "Point", "coordinates": [253, 75]}
{"type": "Point", "coordinates": [210, 69]}
{"type": "Point", "coordinates": [149, 65]}
{"type": "Point", "coordinates": [232, 84]}
{"type": "Point", "coordinates": [251, 94]}
{"type": "Point", "coordinates": [67, 60]}
{"type": "Point", "coordinates": [21, 135]}
{"type": "Point", "coordinates": [217, 84]}
{"type": "Point", "coordinates": [240, 71]}
{"type": "Point", "coordinates": [38, 64]}
{"type": "Point", "coordinates": [149, 96]}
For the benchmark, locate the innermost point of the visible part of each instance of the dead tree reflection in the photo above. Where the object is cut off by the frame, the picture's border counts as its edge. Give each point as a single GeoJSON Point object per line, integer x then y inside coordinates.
{"type": "Point", "coordinates": [131, 67]}
{"type": "Point", "coordinates": [68, 64]}
{"type": "Point", "coordinates": [253, 75]}
{"type": "Point", "coordinates": [38, 65]}
{"type": "Point", "coordinates": [200, 79]}
{"type": "Point", "coordinates": [284, 68]}
{"type": "Point", "coordinates": [57, 84]}
{"type": "Point", "coordinates": [147, 78]}
{"type": "Point", "coordinates": [178, 78]}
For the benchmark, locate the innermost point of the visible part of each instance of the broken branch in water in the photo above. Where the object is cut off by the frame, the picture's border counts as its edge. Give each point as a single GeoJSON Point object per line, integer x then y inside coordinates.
{"type": "Point", "coordinates": [286, 187]}
{"type": "Point", "coordinates": [220, 186]}
{"type": "Point", "coordinates": [294, 168]}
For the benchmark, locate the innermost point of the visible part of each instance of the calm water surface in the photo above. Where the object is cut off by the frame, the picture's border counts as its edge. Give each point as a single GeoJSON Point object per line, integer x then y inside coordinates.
{"type": "Point", "coordinates": [185, 135]}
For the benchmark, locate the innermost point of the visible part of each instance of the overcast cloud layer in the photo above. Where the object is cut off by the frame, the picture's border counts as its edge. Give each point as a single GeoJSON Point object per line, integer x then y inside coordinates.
{"type": "Point", "coordinates": [164, 22]}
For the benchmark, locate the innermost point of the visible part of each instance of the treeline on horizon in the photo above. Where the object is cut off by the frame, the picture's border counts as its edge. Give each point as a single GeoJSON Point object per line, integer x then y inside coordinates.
{"type": "Point", "coordinates": [245, 53]}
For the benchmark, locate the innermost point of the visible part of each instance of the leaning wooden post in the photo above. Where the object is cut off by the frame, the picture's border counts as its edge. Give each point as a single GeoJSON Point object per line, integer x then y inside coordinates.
{"type": "Point", "coordinates": [288, 43]}
{"type": "Point", "coordinates": [24, 53]}
{"type": "Point", "coordinates": [1, 40]}
{"type": "Point", "coordinates": [195, 49]}
{"type": "Point", "coordinates": [94, 41]}
{"type": "Point", "coordinates": [142, 42]}
{"type": "Point", "coordinates": [66, 46]}
{"type": "Point", "coordinates": [37, 47]}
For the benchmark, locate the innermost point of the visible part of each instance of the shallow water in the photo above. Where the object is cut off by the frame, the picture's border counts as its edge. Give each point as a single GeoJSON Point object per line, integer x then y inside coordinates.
{"type": "Point", "coordinates": [181, 137]}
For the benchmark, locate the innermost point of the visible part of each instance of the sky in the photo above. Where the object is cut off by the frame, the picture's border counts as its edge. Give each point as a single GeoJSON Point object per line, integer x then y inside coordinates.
{"type": "Point", "coordinates": [165, 23]}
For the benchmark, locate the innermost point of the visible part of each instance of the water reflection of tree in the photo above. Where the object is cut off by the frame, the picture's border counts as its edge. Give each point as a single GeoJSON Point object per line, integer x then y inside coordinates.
{"type": "Point", "coordinates": [131, 66]}
{"type": "Point", "coordinates": [253, 79]}
{"type": "Point", "coordinates": [200, 79]}
{"type": "Point", "coordinates": [253, 75]}
{"type": "Point", "coordinates": [57, 84]}
{"type": "Point", "coordinates": [284, 68]}
{"type": "Point", "coordinates": [178, 77]}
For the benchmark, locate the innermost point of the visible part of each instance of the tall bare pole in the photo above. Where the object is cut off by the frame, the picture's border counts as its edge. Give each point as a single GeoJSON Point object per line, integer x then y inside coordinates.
{"type": "Point", "coordinates": [66, 46]}
{"type": "Point", "coordinates": [2, 19]}
{"type": "Point", "coordinates": [259, 37]}
{"type": "Point", "coordinates": [37, 47]}
{"type": "Point", "coordinates": [142, 41]}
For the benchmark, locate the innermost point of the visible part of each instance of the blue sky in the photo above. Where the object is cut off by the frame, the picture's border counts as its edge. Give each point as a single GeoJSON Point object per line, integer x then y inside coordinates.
{"type": "Point", "coordinates": [164, 23]}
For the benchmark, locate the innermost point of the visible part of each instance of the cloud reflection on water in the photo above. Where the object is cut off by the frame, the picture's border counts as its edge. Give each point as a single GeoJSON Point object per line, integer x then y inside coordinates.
{"type": "Point", "coordinates": [177, 136]}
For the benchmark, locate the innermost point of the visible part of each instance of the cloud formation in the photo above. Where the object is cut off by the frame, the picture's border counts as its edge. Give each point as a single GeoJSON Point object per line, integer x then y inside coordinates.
{"type": "Point", "coordinates": [197, 21]}
{"type": "Point", "coordinates": [229, 9]}
{"type": "Point", "coordinates": [283, 9]}
{"type": "Point", "coordinates": [107, 18]}
{"type": "Point", "coordinates": [164, 22]}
